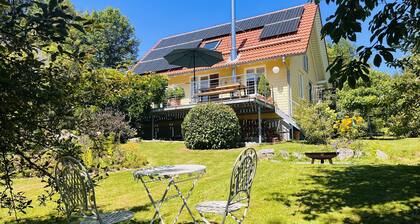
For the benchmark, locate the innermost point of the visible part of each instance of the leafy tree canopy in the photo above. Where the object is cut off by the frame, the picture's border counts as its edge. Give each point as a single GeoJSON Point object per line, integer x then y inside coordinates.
{"type": "Point", "coordinates": [394, 25]}
{"type": "Point", "coordinates": [404, 105]}
{"type": "Point", "coordinates": [45, 80]}
{"type": "Point", "coordinates": [111, 39]}
{"type": "Point", "coordinates": [128, 93]}
{"type": "Point", "coordinates": [365, 97]}
{"type": "Point", "coordinates": [39, 74]}
{"type": "Point", "coordinates": [343, 48]}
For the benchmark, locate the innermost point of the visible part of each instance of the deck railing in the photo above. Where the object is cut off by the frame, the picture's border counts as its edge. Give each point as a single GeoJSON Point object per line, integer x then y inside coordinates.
{"type": "Point", "coordinates": [218, 89]}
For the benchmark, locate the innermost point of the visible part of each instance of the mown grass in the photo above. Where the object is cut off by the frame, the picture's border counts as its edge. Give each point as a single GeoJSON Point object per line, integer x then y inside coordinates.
{"type": "Point", "coordinates": [365, 190]}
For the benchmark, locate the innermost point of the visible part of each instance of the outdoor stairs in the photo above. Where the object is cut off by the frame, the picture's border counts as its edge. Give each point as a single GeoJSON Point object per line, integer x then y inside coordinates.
{"type": "Point", "coordinates": [286, 119]}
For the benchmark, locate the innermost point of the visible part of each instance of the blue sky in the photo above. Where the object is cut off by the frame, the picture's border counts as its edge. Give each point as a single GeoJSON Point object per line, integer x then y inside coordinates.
{"type": "Point", "coordinates": [155, 19]}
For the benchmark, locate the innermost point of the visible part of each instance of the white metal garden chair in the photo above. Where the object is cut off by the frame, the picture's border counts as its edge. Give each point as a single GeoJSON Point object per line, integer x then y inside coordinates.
{"type": "Point", "coordinates": [240, 190]}
{"type": "Point", "coordinates": [78, 195]}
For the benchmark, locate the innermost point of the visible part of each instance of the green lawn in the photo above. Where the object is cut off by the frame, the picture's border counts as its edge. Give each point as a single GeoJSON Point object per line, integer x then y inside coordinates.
{"type": "Point", "coordinates": [366, 190]}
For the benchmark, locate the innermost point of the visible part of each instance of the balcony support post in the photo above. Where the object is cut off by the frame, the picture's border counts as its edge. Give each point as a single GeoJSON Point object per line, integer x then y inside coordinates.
{"type": "Point", "coordinates": [256, 84]}
{"type": "Point", "coordinates": [153, 127]}
{"type": "Point", "coordinates": [259, 125]}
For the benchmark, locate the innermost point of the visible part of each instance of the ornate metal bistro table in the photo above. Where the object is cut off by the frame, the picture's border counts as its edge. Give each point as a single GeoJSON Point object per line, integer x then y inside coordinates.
{"type": "Point", "coordinates": [173, 175]}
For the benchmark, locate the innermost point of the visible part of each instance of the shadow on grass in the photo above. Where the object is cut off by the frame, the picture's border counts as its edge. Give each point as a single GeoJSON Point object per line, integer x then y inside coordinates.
{"type": "Point", "coordinates": [377, 194]}
{"type": "Point", "coordinates": [53, 219]}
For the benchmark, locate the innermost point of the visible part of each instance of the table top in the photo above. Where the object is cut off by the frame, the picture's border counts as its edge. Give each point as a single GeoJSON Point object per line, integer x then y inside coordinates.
{"type": "Point", "coordinates": [172, 170]}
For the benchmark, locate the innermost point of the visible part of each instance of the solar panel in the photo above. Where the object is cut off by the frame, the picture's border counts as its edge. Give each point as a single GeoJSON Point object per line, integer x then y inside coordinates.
{"type": "Point", "coordinates": [280, 28]}
{"type": "Point", "coordinates": [159, 53]}
{"type": "Point", "coordinates": [242, 25]}
{"type": "Point", "coordinates": [154, 60]}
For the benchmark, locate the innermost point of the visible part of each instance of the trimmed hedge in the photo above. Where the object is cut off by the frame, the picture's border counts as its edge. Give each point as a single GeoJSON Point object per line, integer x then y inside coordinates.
{"type": "Point", "coordinates": [211, 126]}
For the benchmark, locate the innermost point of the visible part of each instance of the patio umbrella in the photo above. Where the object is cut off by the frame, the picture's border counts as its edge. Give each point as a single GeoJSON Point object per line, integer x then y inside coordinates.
{"type": "Point", "coordinates": [194, 57]}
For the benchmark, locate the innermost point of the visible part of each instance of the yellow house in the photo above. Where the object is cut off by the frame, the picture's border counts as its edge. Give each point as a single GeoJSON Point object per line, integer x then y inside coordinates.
{"type": "Point", "coordinates": [284, 46]}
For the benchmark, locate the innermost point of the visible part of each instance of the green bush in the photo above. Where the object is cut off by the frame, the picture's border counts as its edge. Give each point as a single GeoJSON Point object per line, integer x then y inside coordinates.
{"type": "Point", "coordinates": [316, 122]}
{"type": "Point", "coordinates": [211, 126]}
{"type": "Point", "coordinates": [105, 153]}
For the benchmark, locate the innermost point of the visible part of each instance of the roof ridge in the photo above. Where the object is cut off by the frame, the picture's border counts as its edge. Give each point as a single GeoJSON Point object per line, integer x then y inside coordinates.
{"type": "Point", "coordinates": [223, 24]}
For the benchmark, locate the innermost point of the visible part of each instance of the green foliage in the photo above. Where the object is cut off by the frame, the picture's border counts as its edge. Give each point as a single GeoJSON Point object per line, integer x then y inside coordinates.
{"type": "Point", "coordinates": [351, 128]}
{"type": "Point", "coordinates": [316, 122]}
{"type": "Point", "coordinates": [368, 100]}
{"type": "Point", "coordinates": [175, 93]}
{"type": "Point", "coordinates": [393, 25]}
{"type": "Point", "coordinates": [404, 105]}
{"type": "Point", "coordinates": [104, 122]}
{"type": "Point", "coordinates": [111, 39]}
{"type": "Point", "coordinates": [103, 152]}
{"type": "Point", "coordinates": [211, 126]}
{"type": "Point", "coordinates": [144, 91]}
{"type": "Point", "coordinates": [343, 48]}
{"type": "Point", "coordinates": [387, 103]}
{"type": "Point", "coordinates": [129, 93]}
{"type": "Point", "coordinates": [40, 71]}
{"type": "Point", "coordinates": [132, 158]}
{"type": "Point", "coordinates": [264, 88]}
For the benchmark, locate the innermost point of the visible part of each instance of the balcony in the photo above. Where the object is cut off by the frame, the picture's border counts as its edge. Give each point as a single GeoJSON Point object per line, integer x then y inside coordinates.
{"type": "Point", "coordinates": [222, 90]}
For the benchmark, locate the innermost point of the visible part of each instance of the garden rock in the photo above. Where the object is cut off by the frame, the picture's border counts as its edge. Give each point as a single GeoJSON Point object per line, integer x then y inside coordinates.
{"type": "Point", "coordinates": [297, 155]}
{"type": "Point", "coordinates": [266, 154]}
{"type": "Point", "coordinates": [381, 155]}
{"type": "Point", "coordinates": [345, 153]}
{"type": "Point", "coordinates": [136, 140]}
{"type": "Point", "coordinates": [358, 154]}
{"type": "Point", "coordinates": [284, 154]}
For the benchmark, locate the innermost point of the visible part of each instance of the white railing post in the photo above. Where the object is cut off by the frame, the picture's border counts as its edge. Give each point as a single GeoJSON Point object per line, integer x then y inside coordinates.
{"type": "Point", "coordinates": [255, 85]}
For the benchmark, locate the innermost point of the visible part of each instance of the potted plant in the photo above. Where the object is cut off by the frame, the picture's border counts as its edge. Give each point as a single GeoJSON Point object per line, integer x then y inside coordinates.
{"type": "Point", "coordinates": [264, 89]}
{"type": "Point", "coordinates": [174, 95]}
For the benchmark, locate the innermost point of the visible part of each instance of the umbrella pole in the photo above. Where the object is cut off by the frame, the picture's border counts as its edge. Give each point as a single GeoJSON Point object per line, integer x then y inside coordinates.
{"type": "Point", "coordinates": [195, 83]}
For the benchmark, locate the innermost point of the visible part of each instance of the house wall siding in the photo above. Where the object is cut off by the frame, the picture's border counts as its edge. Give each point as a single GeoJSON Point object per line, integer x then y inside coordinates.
{"type": "Point", "coordinates": [277, 81]}
{"type": "Point", "coordinates": [313, 74]}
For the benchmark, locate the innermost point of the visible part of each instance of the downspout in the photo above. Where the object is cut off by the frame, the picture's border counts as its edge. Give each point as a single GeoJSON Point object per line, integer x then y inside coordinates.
{"type": "Point", "coordinates": [289, 97]}
{"type": "Point", "coordinates": [289, 88]}
{"type": "Point", "coordinates": [233, 51]}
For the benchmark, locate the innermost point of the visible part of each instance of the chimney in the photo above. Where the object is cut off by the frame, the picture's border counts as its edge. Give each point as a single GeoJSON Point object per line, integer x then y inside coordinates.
{"type": "Point", "coordinates": [233, 51]}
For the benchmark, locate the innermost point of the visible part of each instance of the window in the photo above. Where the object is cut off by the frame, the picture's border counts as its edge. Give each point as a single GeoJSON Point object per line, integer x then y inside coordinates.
{"type": "Point", "coordinates": [211, 45]}
{"type": "Point", "coordinates": [204, 82]}
{"type": "Point", "coordinates": [305, 63]}
{"type": "Point", "coordinates": [252, 78]}
{"type": "Point", "coordinates": [301, 87]}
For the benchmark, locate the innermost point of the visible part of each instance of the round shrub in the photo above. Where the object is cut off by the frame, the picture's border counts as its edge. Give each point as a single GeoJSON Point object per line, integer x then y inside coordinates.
{"type": "Point", "coordinates": [211, 126]}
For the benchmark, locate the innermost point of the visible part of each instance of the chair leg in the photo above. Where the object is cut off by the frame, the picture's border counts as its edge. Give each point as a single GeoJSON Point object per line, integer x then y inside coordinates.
{"type": "Point", "coordinates": [204, 218]}
{"type": "Point", "coordinates": [224, 219]}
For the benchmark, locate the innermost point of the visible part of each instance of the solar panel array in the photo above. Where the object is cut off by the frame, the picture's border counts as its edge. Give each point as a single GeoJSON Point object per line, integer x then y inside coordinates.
{"type": "Point", "coordinates": [280, 22]}
{"type": "Point", "coordinates": [280, 28]}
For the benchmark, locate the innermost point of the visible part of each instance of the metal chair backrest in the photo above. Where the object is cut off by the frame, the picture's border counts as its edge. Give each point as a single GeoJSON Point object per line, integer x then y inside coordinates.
{"type": "Point", "coordinates": [243, 176]}
{"type": "Point", "coordinates": [76, 188]}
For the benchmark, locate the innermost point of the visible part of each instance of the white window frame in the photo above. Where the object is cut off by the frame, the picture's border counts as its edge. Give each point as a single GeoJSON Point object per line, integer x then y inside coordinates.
{"type": "Point", "coordinates": [255, 72]}
{"type": "Point", "coordinates": [198, 82]}
{"type": "Point", "coordinates": [305, 63]}
{"type": "Point", "coordinates": [218, 43]}
{"type": "Point", "coordinates": [301, 86]}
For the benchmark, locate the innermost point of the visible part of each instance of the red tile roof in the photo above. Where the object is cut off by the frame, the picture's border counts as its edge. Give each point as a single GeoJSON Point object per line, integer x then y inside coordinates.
{"type": "Point", "coordinates": [251, 48]}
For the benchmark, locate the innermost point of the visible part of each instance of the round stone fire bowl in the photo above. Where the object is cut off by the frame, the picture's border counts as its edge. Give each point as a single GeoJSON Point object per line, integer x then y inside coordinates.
{"type": "Point", "coordinates": [321, 156]}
